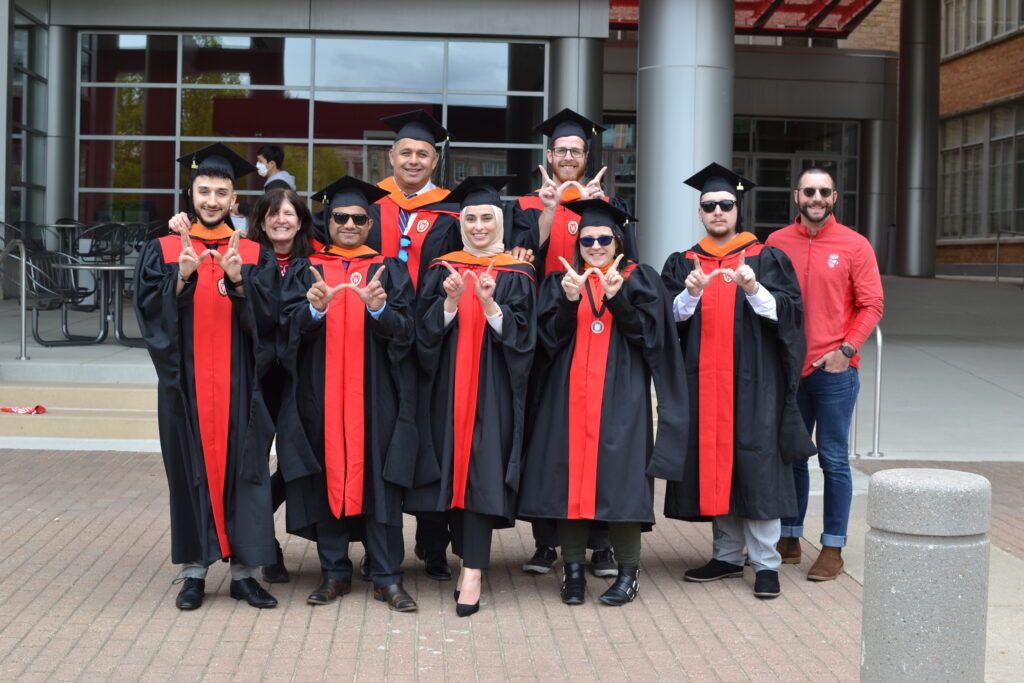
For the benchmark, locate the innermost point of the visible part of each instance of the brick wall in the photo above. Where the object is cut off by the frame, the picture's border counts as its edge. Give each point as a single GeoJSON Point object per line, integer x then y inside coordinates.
{"type": "Point", "coordinates": [982, 76]}
{"type": "Point", "coordinates": [880, 30]}
{"type": "Point", "coordinates": [979, 253]}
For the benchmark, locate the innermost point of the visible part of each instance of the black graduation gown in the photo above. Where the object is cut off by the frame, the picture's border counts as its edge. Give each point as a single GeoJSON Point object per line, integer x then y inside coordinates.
{"type": "Point", "coordinates": [167, 321]}
{"type": "Point", "coordinates": [523, 230]}
{"type": "Point", "coordinates": [442, 237]}
{"type": "Point", "coordinates": [389, 433]}
{"type": "Point", "coordinates": [492, 479]}
{"type": "Point", "coordinates": [642, 343]}
{"type": "Point", "coordinates": [767, 358]}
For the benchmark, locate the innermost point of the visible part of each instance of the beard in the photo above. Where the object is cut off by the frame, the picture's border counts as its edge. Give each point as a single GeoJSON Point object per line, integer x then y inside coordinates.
{"type": "Point", "coordinates": [223, 218]}
{"type": "Point", "coordinates": [805, 212]}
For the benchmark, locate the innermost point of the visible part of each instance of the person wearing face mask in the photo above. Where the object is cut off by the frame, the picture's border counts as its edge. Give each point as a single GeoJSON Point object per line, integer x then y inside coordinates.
{"type": "Point", "coordinates": [270, 167]}
{"type": "Point", "coordinates": [475, 338]}
{"type": "Point", "coordinates": [740, 319]}
{"type": "Point", "coordinates": [605, 328]}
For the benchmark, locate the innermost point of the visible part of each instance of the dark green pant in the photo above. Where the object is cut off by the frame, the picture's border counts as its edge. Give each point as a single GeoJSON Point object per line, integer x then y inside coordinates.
{"type": "Point", "coordinates": [625, 538]}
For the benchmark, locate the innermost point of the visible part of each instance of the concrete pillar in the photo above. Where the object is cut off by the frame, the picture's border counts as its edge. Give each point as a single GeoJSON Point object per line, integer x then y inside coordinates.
{"type": "Point", "coordinates": [6, 57]}
{"type": "Point", "coordinates": [877, 202]}
{"type": "Point", "coordinates": [60, 124]}
{"type": "Point", "coordinates": [917, 174]}
{"type": "Point", "coordinates": [926, 576]}
{"type": "Point", "coordinates": [684, 115]}
{"type": "Point", "coordinates": [577, 82]}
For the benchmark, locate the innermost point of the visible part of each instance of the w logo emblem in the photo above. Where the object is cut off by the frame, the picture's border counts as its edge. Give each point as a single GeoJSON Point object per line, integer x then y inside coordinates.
{"type": "Point", "coordinates": [833, 260]}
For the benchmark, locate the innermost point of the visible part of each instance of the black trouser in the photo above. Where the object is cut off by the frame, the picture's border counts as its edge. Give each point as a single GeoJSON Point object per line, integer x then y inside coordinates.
{"type": "Point", "coordinates": [277, 489]}
{"type": "Point", "coordinates": [471, 538]}
{"type": "Point", "coordinates": [545, 533]}
{"type": "Point", "coordinates": [384, 543]}
{"type": "Point", "coordinates": [432, 532]}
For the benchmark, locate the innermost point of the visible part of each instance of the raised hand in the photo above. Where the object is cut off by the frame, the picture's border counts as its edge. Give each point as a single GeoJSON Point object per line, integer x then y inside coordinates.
{"type": "Point", "coordinates": [551, 192]}
{"type": "Point", "coordinates": [454, 285]}
{"type": "Point", "coordinates": [611, 281]}
{"type": "Point", "coordinates": [373, 294]}
{"type": "Point", "coordinates": [485, 285]}
{"type": "Point", "coordinates": [320, 293]}
{"type": "Point", "coordinates": [231, 261]}
{"type": "Point", "coordinates": [697, 280]}
{"type": "Point", "coordinates": [188, 259]}
{"type": "Point", "coordinates": [744, 275]}
{"type": "Point", "coordinates": [179, 223]}
{"type": "Point", "coordinates": [593, 189]}
{"type": "Point", "coordinates": [572, 282]}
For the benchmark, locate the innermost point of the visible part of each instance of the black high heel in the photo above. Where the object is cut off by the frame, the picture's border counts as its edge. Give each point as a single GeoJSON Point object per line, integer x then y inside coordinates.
{"type": "Point", "coordinates": [466, 610]}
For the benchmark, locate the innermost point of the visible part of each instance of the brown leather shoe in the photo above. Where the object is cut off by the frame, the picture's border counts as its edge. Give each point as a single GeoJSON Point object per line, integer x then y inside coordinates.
{"type": "Point", "coordinates": [789, 548]}
{"type": "Point", "coordinates": [828, 565]}
{"type": "Point", "coordinates": [328, 591]}
{"type": "Point", "coordinates": [396, 597]}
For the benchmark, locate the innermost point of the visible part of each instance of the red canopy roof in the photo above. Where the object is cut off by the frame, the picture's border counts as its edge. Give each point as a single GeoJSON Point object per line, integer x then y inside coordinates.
{"type": "Point", "coordinates": [807, 18]}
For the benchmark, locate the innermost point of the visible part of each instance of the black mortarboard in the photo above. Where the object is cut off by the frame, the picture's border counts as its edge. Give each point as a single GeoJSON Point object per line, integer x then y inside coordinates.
{"type": "Point", "coordinates": [599, 212]}
{"type": "Point", "coordinates": [418, 125]}
{"type": "Point", "coordinates": [479, 189]}
{"type": "Point", "coordinates": [217, 157]}
{"type": "Point", "coordinates": [566, 123]}
{"type": "Point", "coordinates": [349, 191]}
{"type": "Point", "coordinates": [718, 178]}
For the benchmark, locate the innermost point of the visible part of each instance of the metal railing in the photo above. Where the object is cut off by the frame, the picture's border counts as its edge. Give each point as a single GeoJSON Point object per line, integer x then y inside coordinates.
{"type": "Point", "coordinates": [876, 427]}
{"type": "Point", "coordinates": [999, 236]}
{"type": "Point", "coordinates": [23, 289]}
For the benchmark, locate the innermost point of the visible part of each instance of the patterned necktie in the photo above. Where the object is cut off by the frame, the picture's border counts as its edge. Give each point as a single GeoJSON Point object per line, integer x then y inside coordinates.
{"type": "Point", "coordinates": [403, 216]}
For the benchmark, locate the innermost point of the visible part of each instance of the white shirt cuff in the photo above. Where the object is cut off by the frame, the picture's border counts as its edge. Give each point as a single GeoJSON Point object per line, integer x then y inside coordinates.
{"type": "Point", "coordinates": [763, 303]}
{"type": "Point", "coordinates": [684, 305]}
{"type": "Point", "coordinates": [317, 315]}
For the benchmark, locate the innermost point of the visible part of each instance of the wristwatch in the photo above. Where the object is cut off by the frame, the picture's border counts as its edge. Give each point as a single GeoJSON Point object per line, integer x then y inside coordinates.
{"type": "Point", "coordinates": [847, 350]}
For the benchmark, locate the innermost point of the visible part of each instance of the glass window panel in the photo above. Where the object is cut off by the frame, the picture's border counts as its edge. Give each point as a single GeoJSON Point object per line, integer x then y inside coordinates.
{"type": "Point", "coordinates": [1001, 184]}
{"type": "Point", "coordinates": [846, 212]}
{"type": "Point", "coordinates": [851, 136]}
{"type": "Point", "coordinates": [790, 137]}
{"type": "Point", "coordinates": [95, 207]}
{"type": "Point", "coordinates": [16, 156]}
{"type": "Point", "coordinates": [18, 97]}
{"type": "Point", "coordinates": [849, 179]}
{"type": "Point", "coordinates": [356, 116]}
{"type": "Point", "coordinates": [1002, 122]}
{"type": "Point", "coordinates": [952, 133]}
{"type": "Point", "coordinates": [244, 60]}
{"type": "Point", "coordinates": [129, 58]}
{"type": "Point", "coordinates": [128, 111]}
{"type": "Point", "coordinates": [975, 128]}
{"type": "Point", "coordinates": [972, 183]}
{"type": "Point", "coordinates": [126, 163]}
{"type": "Point", "coordinates": [209, 112]}
{"type": "Point", "coordinates": [367, 162]}
{"type": "Point", "coordinates": [527, 70]}
{"type": "Point", "coordinates": [494, 118]}
{"type": "Point", "coordinates": [21, 38]}
{"type": "Point", "coordinates": [774, 173]}
{"type": "Point", "coordinates": [772, 207]}
{"type": "Point", "coordinates": [741, 134]}
{"type": "Point", "coordinates": [518, 162]}
{"type": "Point", "coordinates": [951, 192]}
{"type": "Point", "coordinates": [368, 63]}
{"type": "Point", "coordinates": [495, 66]}
{"type": "Point", "coordinates": [37, 8]}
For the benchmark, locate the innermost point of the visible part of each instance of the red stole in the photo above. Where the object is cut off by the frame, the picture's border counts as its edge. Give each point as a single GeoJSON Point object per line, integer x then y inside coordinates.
{"type": "Point", "coordinates": [564, 227]}
{"type": "Point", "coordinates": [716, 379]}
{"type": "Point", "coordinates": [344, 382]}
{"type": "Point", "coordinates": [211, 357]}
{"type": "Point", "coordinates": [390, 237]}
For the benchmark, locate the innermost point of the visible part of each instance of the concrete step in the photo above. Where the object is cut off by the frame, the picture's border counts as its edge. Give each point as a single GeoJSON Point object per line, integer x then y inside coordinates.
{"type": "Point", "coordinates": [52, 395]}
{"type": "Point", "coordinates": [82, 423]}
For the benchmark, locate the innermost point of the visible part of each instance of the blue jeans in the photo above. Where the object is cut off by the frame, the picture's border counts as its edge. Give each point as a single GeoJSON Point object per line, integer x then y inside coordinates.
{"type": "Point", "coordinates": [826, 403]}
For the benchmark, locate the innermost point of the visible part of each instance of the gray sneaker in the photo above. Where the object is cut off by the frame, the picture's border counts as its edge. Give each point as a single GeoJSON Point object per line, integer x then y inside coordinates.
{"type": "Point", "coordinates": [603, 564]}
{"type": "Point", "coordinates": [542, 560]}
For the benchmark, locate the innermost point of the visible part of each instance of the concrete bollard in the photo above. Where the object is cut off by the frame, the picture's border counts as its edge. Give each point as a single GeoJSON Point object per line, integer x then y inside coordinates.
{"type": "Point", "coordinates": [925, 576]}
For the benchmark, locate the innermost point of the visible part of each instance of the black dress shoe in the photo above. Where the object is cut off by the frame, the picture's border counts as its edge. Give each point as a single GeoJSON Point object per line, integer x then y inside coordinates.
{"type": "Point", "coordinates": [328, 591]}
{"type": "Point", "coordinates": [396, 597]}
{"type": "Point", "coordinates": [766, 584]}
{"type": "Point", "coordinates": [253, 593]}
{"type": "Point", "coordinates": [364, 567]}
{"type": "Point", "coordinates": [191, 594]}
{"type": "Point", "coordinates": [435, 563]}
{"type": "Point", "coordinates": [625, 588]}
{"type": "Point", "coordinates": [714, 570]}
{"type": "Point", "coordinates": [277, 572]}
{"type": "Point", "coordinates": [574, 584]}
{"type": "Point", "coordinates": [466, 610]}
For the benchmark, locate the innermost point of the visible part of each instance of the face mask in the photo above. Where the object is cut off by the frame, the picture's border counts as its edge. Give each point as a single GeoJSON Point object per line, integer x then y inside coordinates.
{"type": "Point", "coordinates": [241, 223]}
{"type": "Point", "coordinates": [261, 168]}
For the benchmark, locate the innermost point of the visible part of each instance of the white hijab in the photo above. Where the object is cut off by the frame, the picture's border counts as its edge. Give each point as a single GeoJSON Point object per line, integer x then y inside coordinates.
{"type": "Point", "coordinates": [496, 247]}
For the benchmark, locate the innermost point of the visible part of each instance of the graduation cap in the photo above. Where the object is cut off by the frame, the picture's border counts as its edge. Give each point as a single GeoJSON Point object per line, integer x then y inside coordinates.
{"type": "Point", "coordinates": [568, 123]}
{"type": "Point", "coordinates": [420, 125]}
{"type": "Point", "coordinates": [479, 189]}
{"type": "Point", "coordinates": [599, 212]}
{"type": "Point", "coordinates": [717, 178]}
{"type": "Point", "coordinates": [348, 191]}
{"type": "Point", "coordinates": [217, 159]}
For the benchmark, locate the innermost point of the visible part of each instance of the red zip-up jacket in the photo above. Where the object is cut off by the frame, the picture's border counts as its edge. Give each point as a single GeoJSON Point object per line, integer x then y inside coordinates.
{"type": "Point", "coordinates": [840, 284]}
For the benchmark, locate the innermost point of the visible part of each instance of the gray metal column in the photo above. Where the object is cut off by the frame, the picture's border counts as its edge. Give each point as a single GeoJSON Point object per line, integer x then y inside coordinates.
{"type": "Point", "coordinates": [877, 167]}
{"type": "Point", "coordinates": [60, 124]}
{"type": "Point", "coordinates": [684, 115]}
{"type": "Point", "coordinates": [918, 138]}
{"type": "Point", "coordinates": [6, 58]}
{"type": "Point", "coordinates": [577, 76]}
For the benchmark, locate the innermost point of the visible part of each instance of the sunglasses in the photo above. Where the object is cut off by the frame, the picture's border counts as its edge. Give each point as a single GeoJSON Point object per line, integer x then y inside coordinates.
{"type": "Point", "coordinates": [403, 248]}
{"type": "Point", "coordinates": [825, 192]}
{"type": "Point", "coordinates": [603, 240]}
{"type": "Point", "coordinates": [357, 218]}
{"type": "Point", "coordinates": [726, 204]}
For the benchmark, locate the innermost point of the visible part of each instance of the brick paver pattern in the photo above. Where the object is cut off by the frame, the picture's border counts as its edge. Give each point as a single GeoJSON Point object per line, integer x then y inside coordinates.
{"type": "Point", "coordinates": [1007, 479]}
{"type": "Point", "coordinates": [86, 594]}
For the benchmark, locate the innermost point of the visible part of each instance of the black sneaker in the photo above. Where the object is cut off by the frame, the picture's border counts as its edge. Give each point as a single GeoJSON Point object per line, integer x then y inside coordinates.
{"type": "Point", "coordinates": [766, 584]}
{"type": "Point", "coordinates": [542, 561]}
{"type": "Point", "coordinates": [712, 571]}
{"type": "Point", "coordinates": [603, 564]}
